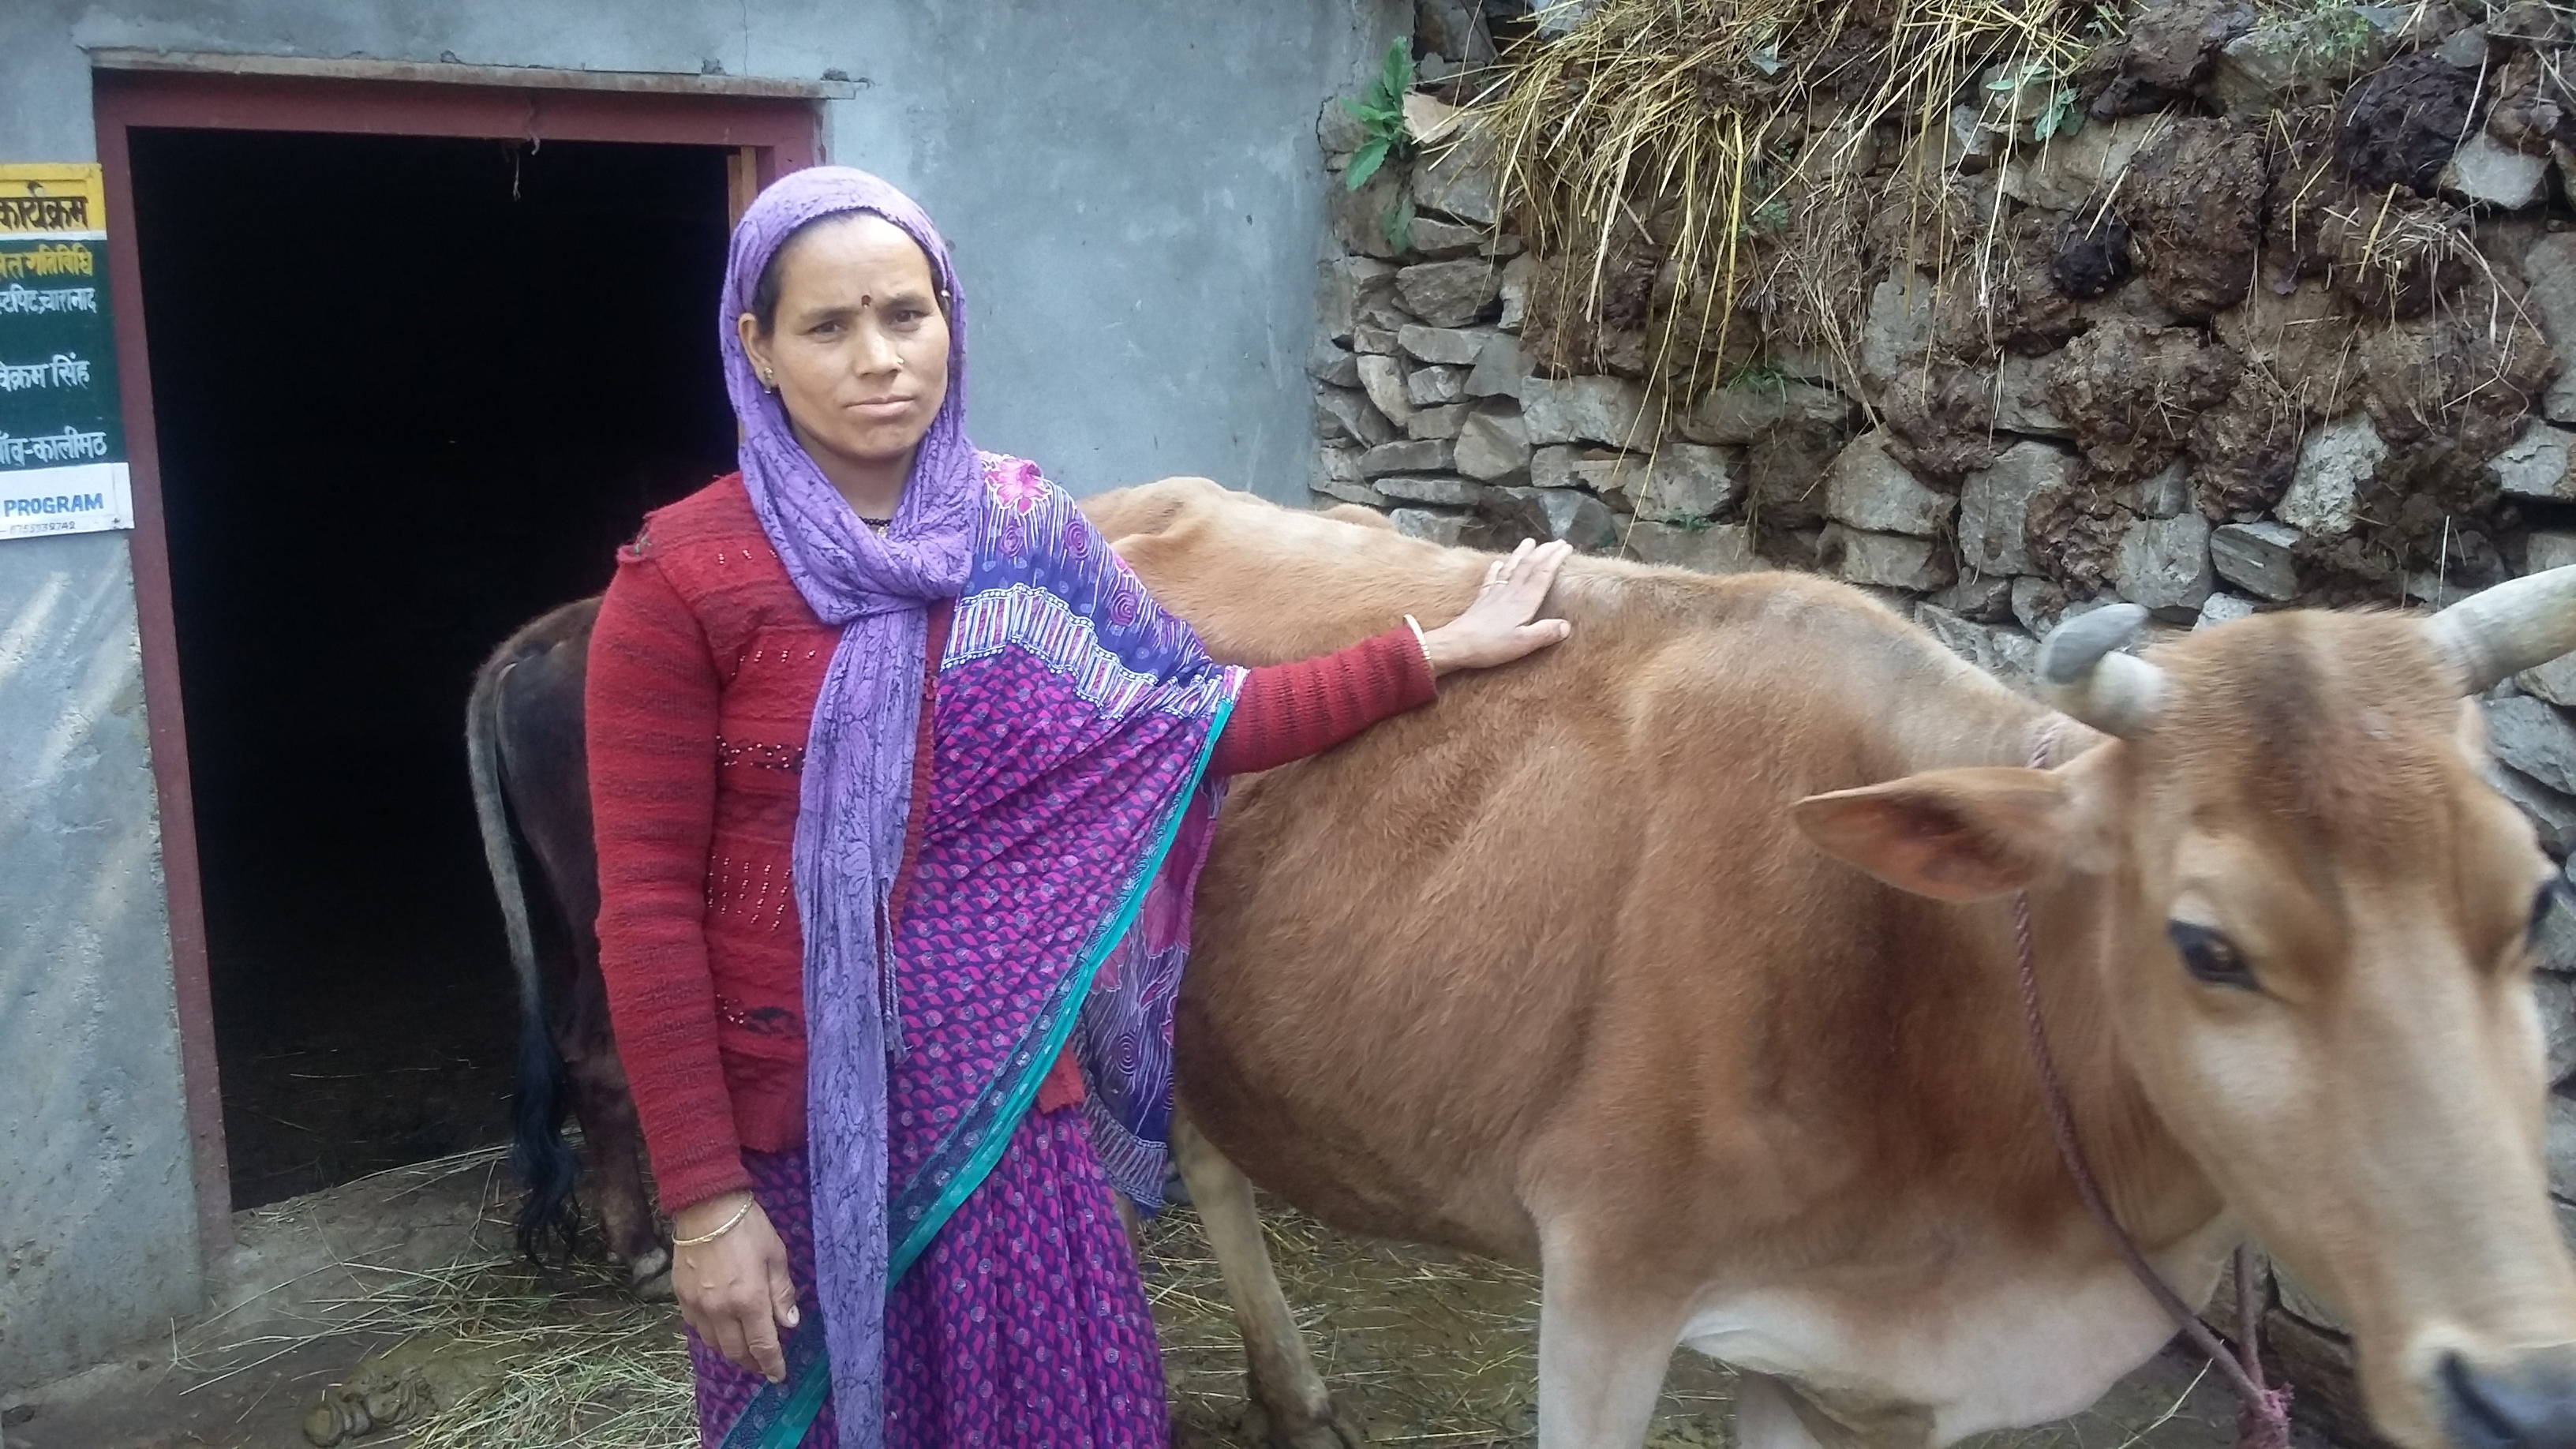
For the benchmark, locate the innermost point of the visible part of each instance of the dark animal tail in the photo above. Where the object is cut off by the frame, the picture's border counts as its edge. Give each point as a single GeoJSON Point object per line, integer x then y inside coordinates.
{"type": "Point", "coordinates": [538, 1153]}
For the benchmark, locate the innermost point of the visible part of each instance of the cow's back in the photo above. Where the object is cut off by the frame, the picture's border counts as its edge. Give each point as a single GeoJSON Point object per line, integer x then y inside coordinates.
{"type": "Point", "coordinates": [1567, 894]}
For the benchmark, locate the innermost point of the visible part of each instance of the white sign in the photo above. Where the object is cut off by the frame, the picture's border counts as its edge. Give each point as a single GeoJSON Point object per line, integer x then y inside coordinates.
{"type": "Point", "coordinates": [83, 498]}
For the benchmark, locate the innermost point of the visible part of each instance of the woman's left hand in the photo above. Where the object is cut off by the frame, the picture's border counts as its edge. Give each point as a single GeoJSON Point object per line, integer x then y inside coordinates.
{"type": "Point", "coordinates": [1501, 625]}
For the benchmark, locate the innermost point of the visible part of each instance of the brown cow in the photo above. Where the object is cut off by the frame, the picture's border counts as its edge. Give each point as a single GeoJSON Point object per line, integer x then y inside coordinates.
{"type": "Point", "coordinates": [1554, 971]}
{"type": "Point", "coordinates": [531, 778]}
{"type": "Point", "coordinates": [1549, 971]}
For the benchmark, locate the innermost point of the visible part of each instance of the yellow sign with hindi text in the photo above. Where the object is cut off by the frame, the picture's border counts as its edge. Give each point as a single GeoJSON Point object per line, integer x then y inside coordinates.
{"type": "Point", "coordinates": [46, 196]}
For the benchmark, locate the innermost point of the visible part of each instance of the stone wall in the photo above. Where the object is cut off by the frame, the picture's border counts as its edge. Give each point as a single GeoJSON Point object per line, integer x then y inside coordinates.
{"type": "Point", "coordinates": [2265, 332]}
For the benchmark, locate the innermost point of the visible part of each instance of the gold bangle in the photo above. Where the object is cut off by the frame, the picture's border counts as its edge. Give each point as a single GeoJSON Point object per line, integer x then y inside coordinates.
{"type": "Point", "coordinates": [1422, 644]}
{"type": "Point", "coordinates": [739, 1214]}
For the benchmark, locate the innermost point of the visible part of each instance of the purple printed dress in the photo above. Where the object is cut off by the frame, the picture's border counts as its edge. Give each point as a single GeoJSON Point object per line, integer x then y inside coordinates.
{"type": "Point", "coordinates": [1068, 816]}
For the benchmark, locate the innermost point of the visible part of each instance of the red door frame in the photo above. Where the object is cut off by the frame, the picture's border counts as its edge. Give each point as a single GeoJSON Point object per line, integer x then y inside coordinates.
{"type": "Point", "coordinates": [769, 137]}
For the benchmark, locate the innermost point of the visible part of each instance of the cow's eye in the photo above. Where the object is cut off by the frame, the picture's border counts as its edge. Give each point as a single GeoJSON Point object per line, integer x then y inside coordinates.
{"type": "Point", "coordinates": [2551, 893]}
{"type": "Point", "coordinates": [2211, 957]}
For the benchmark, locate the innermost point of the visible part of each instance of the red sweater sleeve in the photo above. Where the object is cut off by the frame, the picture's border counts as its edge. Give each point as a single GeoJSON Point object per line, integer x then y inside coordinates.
{"type": "Point", "coordinates": [650, 716]}
{"type": "Point", "coordinates": [1290, 711]}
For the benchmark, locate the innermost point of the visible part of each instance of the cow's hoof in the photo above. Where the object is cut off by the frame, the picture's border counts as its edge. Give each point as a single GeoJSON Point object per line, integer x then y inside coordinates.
{"type": "Point", "coordinates": [1334, 1431]}
{"type": "Point", "coordinates": [649, 1276]}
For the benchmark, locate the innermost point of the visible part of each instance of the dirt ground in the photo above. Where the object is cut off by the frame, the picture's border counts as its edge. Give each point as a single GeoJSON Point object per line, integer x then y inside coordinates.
{"type": "Point", "coordinates": [394, 1295]}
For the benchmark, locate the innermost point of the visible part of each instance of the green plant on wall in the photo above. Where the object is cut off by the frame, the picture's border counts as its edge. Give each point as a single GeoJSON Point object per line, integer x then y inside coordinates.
{"type": "Point", "coordinates": [1381, 116]}
{"type": "Point", "coordinates": [2058, 114]}
{"type": "Point", "coordinates": [2338, 38]}
{"type": "Point", "coordinates": [2060, 117]}
{"type": "Point", "coordinates": [1763, 376]}
{"type": "Point", "coordinates": [1397, 224]}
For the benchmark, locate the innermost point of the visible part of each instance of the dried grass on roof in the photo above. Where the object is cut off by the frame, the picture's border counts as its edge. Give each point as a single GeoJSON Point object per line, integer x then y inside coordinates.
{"type": "Point", "coordinates": [1737, 136]}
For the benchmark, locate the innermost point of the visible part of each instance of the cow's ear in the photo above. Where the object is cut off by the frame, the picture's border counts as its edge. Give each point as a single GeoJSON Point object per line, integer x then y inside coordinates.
{"type": "Point", "coordinates": [1953, 835]}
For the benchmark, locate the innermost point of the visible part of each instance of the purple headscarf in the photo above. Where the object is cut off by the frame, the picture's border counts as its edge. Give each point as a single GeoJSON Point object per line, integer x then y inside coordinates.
{"type": "Point", "coordinates": [857, 786]}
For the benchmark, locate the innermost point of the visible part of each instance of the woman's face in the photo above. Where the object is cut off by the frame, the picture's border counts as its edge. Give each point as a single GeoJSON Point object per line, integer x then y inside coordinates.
{"type": "Point", "coordinates": [859, 352]}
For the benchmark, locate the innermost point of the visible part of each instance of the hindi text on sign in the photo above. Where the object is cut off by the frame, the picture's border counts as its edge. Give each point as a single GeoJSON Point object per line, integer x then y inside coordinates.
{"type": "Point", "coordinates": [18, 298]}
{"type": "Point", "coordinates": [62, 434]}
{"type": "Point", "coordinates": [71, 445]}
{"type": "Point", "coordinates": [54, 259]}
{"type": "Point", "coordinates": [62, 370]}
{"type": "Point", "coordinates": [44, 213]}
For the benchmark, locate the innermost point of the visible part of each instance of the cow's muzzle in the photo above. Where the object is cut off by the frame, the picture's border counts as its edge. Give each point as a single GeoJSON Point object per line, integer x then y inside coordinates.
{"type": "Point", "coordinates": [2527, 1401]}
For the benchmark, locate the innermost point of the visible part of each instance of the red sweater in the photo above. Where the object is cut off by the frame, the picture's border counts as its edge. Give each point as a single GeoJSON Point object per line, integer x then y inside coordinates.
{"type": "Point", "coordinates": [704, 668]}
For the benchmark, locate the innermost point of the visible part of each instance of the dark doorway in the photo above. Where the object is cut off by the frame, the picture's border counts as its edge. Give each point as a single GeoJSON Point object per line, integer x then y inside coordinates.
{"type": "Point", "coordinates": [409, 392]}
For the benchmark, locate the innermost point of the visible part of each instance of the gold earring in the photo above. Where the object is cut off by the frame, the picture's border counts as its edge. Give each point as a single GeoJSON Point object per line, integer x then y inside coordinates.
{"type": "Point", "coordinates": [769, 379]}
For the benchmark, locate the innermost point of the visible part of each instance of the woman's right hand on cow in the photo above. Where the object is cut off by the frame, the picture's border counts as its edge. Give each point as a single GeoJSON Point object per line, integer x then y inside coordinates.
{"type": "Point", "coordinates": [733, 1288]}
{"type": "Point", "coordinates": [1502, 624]}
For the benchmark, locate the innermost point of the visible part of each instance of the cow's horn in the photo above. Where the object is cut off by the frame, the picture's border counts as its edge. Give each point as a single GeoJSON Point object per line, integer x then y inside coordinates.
{"type": "Point", "coordinates": [2080, 672]}
{"type": "Point", "coordinates": [2507, 629]}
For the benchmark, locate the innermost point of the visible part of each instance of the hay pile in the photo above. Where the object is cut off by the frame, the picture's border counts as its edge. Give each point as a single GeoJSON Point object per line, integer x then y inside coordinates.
{"type": "Point", "coordinates": [497, 1354]}
{"type": "Point", "coordinates": [1425, 1348]}
{"type": "Point", "coordinates": [1420, 1347]}
{"type": "Point", "coordinates": [479, 1349]}
{"type": "Point", "coordinates": [1703, 172]}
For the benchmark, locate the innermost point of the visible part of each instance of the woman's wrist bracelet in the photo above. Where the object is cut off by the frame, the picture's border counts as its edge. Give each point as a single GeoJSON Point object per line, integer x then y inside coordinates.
{"type": "Point", "coordinates": [739, 1214]}
{"type": "Point", "coordinates": [1423, 644]}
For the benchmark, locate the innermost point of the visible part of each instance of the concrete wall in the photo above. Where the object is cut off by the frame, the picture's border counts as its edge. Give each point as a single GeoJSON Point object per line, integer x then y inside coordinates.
{"type": "Point", "coordinates": [1134, 195]}
{"type": "Point", "coordinates": [1132, 188]}
{"type": "Point", "coordinates": [98, 1213]}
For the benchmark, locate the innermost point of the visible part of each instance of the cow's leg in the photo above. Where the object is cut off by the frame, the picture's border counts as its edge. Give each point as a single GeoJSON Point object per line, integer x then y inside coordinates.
{"type": "Point", "coordinates": [616, 1143]}
{"type": "Point", "coordinates": [1766, 1417]}
{"type": "Point", "coordinates": [1605, 1337]}
{"type": "Point", "coordinates": [1772, 1413]}
{"type": "Point", "coordinates": [1133, 1222]}
{"type": "Point", "coordinates": [612, 1137]}
{"type": "Point", "coordinates": [1280, 1373]}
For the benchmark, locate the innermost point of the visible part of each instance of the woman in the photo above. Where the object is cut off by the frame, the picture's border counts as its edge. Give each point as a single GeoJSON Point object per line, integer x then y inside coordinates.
{"type": "Point", "coordinates": [898, 776]}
